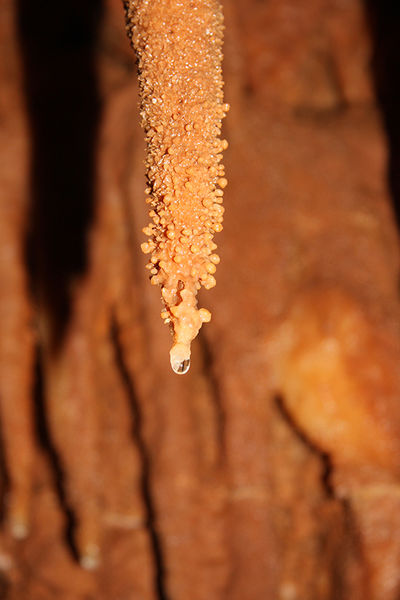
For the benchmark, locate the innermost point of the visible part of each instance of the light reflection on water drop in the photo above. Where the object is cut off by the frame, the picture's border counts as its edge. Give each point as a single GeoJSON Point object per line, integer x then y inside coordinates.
{"type": "Point", "coordinates": [180, 368]}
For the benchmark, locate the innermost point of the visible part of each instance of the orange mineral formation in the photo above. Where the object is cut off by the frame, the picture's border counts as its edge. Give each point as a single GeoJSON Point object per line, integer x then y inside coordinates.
{"type": "Point", "coordinates": [179, 49]}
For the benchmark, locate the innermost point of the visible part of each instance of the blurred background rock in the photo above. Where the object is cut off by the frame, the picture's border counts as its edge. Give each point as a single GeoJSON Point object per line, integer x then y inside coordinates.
{"type": "Point", "coordinates": [271, 470]}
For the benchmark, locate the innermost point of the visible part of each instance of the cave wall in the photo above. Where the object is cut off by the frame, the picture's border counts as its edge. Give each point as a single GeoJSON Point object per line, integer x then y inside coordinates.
{"type": "Point", "coordinates": [271, 470]}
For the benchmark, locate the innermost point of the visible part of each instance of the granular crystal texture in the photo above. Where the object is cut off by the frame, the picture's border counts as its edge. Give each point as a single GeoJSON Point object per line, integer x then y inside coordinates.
{"type": "Point", "coordinates": [179, 50]}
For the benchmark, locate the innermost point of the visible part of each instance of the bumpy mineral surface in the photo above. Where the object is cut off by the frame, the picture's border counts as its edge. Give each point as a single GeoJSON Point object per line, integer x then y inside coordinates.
{"type": "Point", "coordinates": [179, 50]}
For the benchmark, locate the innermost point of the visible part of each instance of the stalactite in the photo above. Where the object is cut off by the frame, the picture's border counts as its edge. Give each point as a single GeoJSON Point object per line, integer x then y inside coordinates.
{"type": "Point", "coordinates": [179, 50]}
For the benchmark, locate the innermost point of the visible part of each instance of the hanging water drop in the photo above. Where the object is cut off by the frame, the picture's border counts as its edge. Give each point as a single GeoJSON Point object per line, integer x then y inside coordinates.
{"type": "Point", "coordinates": [180, 358]}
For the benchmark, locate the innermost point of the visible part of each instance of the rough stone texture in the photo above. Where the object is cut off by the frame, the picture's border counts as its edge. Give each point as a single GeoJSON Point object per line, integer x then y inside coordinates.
{"type": "Point", "coordinates": [271, 470]}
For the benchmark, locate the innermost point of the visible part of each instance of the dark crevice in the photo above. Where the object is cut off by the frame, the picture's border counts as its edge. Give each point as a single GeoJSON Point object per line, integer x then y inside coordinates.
{"type": "Point", "coordinates": [5, 479]}
{"type": "Point", "coordinates": [384, 23]}
{"type": "Point", "coordinates": [5, 586]}
{"type": "Point", "coordinates": [215, 388]}
{"type": "Point", "coordinates": [47, 446]}
{"type": "Point", "coordinates": [146, 466]}
{"type": "Point", "coordinates": [354, 544]}
{"type": "Point", "coordinates": [326, 462]}
{"type": "Point", "coordinates": [58, 45]}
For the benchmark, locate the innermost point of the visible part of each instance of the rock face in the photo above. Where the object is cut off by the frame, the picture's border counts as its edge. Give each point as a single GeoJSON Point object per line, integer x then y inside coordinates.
{"type": "Point", "coordinates": [270, 470]}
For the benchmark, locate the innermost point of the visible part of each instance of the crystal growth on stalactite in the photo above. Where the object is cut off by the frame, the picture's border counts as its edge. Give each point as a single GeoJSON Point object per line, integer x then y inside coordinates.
{"type": "Point", "coordinates": [179, 50]}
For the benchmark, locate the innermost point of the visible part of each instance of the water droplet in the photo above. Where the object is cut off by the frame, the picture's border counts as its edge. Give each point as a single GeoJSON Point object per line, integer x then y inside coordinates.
{"type": "Point", "coordinates": [180, 368]}
{"type": "Point", "coordinates": [180, 356]}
